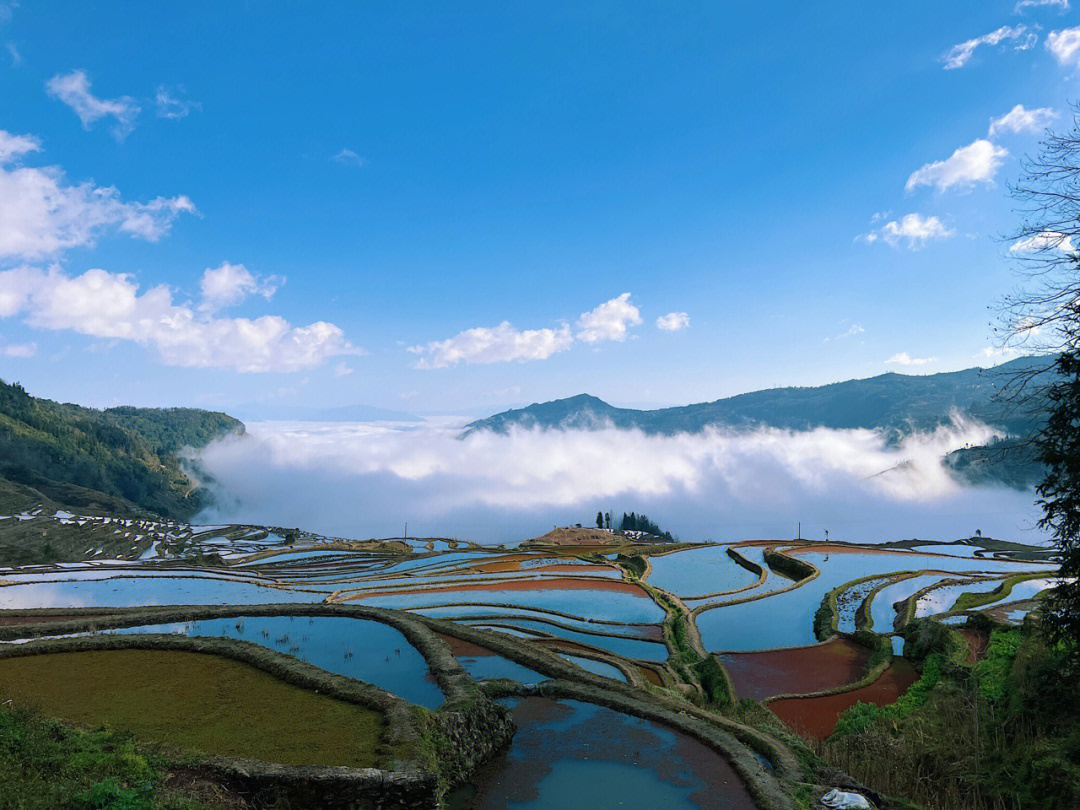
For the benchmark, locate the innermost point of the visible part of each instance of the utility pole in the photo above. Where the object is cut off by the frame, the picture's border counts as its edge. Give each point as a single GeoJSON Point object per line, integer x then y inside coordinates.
{"type": "Point", "coordinates": [800, 531]}
{"type": "Point", "coordinates": [405, 535]}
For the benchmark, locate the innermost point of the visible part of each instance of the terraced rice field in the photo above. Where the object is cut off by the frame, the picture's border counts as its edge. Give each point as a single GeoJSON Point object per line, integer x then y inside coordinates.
{"type": "Point", "coordinates": [195, 702]}
{"type": "Point", "coordinates": [796, 670]}
{"type": "Point", "coordinates": [518, 616]}
{"type": "Point", "coordinates": [816, 716]}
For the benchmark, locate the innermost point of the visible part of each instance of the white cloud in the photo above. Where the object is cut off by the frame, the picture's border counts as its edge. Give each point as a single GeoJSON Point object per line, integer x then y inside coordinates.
{"type": "Point", "coordinates": [501, 344]}
{"type": "Point", "coordinates": [13, 52]}
{"type": "Point", "coordinates": [348, 157]}
{"type": "Point", "coordinates": [1019, 119]}
{"type": "Point", "coordinates": [171, 107]}
{"type": "Point", "coordinates": [854, 329]}
{"type": "Point", "coordinates": [915, 229]}
{"type": "Point", "coordinates": [230, 284]}
{"type": "Point", "coordinates": [504, 343]}
{"type": "Point", "coordinates": [1023, 4]}
{"type": "Point", "coordinates": [21, 350]}
{"type": "Point", "coordinates": [342, 369]}
{"type": "Point", "coordinates": [609, 321]}
{"type": "Point", "coordinates": [904, 359]}
{"type": "Point", "coordinates": [997, 354]}
{"type": "Point", "coordinates": [41, 215]}
{"type": "Point", "coordinates": [1044, 242]}
{"type": "Point", "coordinates": [108, 306]}
{"type": "Point", "coordinates": [960, 54]}
{"type": "Point", "coordinates": [152, 220]}
{"type": "Point", "coordinates": [977, 162]}
{"type": "Point", "coordinates": [74, 90]}
{"type": "Point", "coordinates": [1065, 45]}
{"type": "Point", "coordinates": [673, 321]}
{"type": "Point", "coordinates": [15, 146]}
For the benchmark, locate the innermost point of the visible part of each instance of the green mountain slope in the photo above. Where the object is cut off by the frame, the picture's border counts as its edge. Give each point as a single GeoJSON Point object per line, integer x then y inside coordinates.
{"type": "Point", "coordinates": [895, 403]}
{"type": "Point", "coordinates": [114, 459]}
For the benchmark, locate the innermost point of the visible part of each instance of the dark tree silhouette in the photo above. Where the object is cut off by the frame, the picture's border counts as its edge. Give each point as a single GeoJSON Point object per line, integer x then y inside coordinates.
{"type": "Point", "coordinates": [1043, 315]}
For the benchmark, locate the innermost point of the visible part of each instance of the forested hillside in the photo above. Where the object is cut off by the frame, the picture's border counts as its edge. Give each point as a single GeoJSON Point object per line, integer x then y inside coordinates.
{"type": "Point", "coordinates": [83, 457]}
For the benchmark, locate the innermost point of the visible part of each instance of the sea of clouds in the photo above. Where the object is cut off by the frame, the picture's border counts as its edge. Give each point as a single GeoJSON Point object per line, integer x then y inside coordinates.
{"type": "Point", "coordinates": [368, 479]}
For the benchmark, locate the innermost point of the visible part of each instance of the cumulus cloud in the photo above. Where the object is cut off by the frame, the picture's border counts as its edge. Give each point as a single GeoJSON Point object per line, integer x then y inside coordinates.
{"type": "Point", "coordinates": [170, 106]}
{"type": "Point", "coordinates": [673, 321]}
{"type": "Point", "coordinates": [960, 54]}
{"type": "Point", "coordinates": [1019, 119]}
{"type": "Point", "coordinates": [229, 284]}
{"type": "Point", "coordinates": [493, 487]}
{"type": "Point", "coordinates": [342, 369]}
{"type": "Point", "coordinates": [109, 305]}
{"type": "Point", "coordinates": [904, 359]}
{"type": "Point", "coordinates": [1044, 242]}
{"type": "Point", "coordinates": [505, 343]}
{"type": "Point", "coordinates": [73, 89]}
{"type": "Point", "coordinates": [913, 229]}
{"type": "Point", "coordinates": [41, 214]}
{"type": "Point", "coordinates": [609, 321]}
{"type": "Point", "coordinates": [500, 344]}
{"type": "Point", "coordinates": [13, 52]}
{"type": "Point", "coordinates": [1065, 45]}
{"type": "Point", "coordinates": [977, 162]}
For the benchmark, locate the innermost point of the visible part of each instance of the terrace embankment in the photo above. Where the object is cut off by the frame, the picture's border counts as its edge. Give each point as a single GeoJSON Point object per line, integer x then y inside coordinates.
{"type": "Point", "coordinates": [551, 584]}
{"type": "Point", "coordinates": [16, 621]}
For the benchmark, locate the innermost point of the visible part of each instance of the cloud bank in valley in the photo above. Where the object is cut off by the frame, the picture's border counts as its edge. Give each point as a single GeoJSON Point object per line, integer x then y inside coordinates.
{"type": "Point", "coordinates": [367, 479]}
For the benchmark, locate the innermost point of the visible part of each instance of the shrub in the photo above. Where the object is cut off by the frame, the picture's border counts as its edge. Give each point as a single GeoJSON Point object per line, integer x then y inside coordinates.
{"type": "Point", "coordinates": [993, 673]}
{"type": "Point", "coordinates": [633, 563]}
{"type": "Point", "coordinates": [109, 795]}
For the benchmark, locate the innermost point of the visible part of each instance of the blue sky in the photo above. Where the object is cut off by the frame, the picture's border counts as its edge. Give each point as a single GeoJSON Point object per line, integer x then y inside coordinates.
{"type": "Point", "coordinates": [406, 173]}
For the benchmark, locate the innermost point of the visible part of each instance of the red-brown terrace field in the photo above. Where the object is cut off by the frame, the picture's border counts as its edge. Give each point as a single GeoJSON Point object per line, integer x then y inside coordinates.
{"type": "Point", "coordinates": [796, 669]}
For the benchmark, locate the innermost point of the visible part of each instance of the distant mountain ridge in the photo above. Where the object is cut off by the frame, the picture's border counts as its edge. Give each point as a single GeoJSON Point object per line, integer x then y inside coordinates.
{"type": "Point", "coordinates": [897, 404]}
{"type": "Point", "coordinates": [117, 459]}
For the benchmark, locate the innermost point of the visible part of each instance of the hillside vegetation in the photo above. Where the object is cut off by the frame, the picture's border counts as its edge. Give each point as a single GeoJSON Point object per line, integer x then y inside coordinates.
{"type": "Point", "coordinates": [999, 735]}
{"type": "Point", "coordinates": [117, 459]}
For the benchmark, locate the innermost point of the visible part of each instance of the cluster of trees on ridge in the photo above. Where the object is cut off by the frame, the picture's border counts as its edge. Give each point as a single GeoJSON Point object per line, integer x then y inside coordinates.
{"type": "Point", "coordinates": [73, 455]}
{"type": "Point", "coordinates": [633, 523]}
